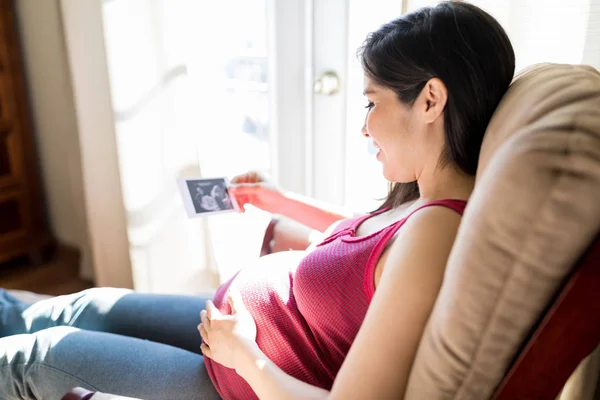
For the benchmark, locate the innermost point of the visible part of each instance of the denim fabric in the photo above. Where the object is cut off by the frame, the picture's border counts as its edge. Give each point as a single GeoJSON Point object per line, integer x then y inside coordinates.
{"type": "Point", "coordinates": [104, 339]}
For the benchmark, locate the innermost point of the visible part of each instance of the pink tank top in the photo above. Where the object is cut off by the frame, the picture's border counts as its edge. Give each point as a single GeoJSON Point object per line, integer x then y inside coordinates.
{"type": "Point", "coordinates": [308, 315]}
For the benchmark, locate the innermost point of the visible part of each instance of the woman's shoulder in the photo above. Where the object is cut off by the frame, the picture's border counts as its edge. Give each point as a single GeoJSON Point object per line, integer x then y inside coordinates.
{"type": "Point", "coordinates": [440, 214]}
{"type": "Point", "coordinates": [429, 228]}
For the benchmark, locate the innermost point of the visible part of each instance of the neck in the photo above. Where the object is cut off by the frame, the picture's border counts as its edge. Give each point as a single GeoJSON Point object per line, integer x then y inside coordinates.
{"type": "Point", "coordinates": [445, 183]}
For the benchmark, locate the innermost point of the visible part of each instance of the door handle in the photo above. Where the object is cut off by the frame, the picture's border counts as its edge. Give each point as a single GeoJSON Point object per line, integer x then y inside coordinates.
{"type": "Point", "coordinates": [328, 83]}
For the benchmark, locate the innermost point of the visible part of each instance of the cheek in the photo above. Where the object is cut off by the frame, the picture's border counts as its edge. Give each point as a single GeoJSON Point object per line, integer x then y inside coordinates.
{"type": "Point", "coordinates": [401, 153]}
{"type": "Point", "coordinates": [379, 126]}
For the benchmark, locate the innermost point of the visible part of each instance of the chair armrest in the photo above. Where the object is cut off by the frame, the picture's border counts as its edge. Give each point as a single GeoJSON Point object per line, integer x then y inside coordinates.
{"type": "Point", "coordinates": [284, 234]}
{"type": "Point", "coordinates": [267, 244]}
{"type": "Point", "coordinates": [566, 334]}
{"type": "Point", "coordinates": [83, 394]}
{"type": "Point", "coordinates": [78, 394]}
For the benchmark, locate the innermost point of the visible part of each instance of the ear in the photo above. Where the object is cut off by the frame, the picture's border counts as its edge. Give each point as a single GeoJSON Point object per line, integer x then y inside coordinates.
{"type": "Point", "coordinates": [436, 96]}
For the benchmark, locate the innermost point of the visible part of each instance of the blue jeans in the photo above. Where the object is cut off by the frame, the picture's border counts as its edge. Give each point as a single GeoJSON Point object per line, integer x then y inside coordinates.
{"type": "Point", "coordinates": [103, 339]}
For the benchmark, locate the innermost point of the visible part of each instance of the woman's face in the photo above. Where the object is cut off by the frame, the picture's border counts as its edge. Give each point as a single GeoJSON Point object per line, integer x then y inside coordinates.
{"type": "Point", "coordinates": [397, 133]}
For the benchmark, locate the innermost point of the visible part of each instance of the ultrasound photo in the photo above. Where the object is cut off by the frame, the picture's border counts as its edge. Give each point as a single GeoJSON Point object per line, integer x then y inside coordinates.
{"type": "Point", "coordinates": [206, 196]}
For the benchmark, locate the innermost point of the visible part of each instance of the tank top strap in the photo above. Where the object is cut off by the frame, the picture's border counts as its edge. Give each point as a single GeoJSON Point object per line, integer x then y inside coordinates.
{"type": "Point", "coordinates": [454, 204]}
{"type": "Point", "coordinates": [390, 231]}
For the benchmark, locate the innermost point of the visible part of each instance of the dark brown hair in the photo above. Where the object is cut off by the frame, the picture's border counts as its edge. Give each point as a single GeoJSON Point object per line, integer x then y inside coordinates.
{"type": "Point", "coordinates": [463, 46]}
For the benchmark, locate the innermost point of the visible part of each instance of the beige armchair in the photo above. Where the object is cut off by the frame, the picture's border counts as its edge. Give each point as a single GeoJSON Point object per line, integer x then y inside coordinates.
{"type": "Point", "coordinates": [518, 309]}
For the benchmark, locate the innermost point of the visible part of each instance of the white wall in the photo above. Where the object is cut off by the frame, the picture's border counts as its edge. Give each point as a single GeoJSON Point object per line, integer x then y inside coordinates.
{"type": "Point", "coordinates": [55, 125]}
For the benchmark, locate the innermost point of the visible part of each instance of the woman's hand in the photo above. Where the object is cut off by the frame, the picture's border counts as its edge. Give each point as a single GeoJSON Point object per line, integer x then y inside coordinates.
{"type": "Point", "coordinates": [225, 336]}
{"type": "Point", "coordinates": [252, 188]}
{"type": "Point", "coordinates": [249, 177]}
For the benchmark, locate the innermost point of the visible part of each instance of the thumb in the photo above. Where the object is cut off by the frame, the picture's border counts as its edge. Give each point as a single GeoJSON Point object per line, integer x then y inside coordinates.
{"type": "Point", "coordinates": [245, 188]}
{"type": "Point", "coordinates": [239, 197]}
{"type": "Point", "coordinates": [235, 301]}
{"type": "Point", "coordinates": [242, 192]}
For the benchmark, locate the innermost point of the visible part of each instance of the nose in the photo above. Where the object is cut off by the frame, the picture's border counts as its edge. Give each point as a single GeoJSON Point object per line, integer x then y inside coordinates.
{"type": "Point", "coordinates": [364, 130]}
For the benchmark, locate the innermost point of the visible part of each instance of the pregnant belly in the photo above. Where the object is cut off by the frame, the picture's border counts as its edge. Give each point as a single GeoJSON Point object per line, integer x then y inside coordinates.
{"type": "Point", "coordinates": [266, 284]}
{"type": "Point", "coordinates": [282, 332]}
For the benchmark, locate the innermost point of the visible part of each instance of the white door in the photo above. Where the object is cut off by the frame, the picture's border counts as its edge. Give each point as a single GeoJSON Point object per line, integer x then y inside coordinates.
{"type": "Point", "coordinates": [344, 169]}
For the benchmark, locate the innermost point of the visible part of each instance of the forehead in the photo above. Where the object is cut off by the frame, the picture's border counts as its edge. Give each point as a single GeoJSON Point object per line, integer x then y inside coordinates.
{"type": "Point", "coordinates": [370, 87]}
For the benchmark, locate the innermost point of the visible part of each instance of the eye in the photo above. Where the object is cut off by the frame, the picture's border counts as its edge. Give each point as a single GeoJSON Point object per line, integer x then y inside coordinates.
{"type": "Point", "coordinates": [370, 105]}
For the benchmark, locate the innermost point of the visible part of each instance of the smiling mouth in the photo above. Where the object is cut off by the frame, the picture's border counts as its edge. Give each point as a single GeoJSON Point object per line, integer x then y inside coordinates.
{"type": "Point", "coordinates": [378, 149]}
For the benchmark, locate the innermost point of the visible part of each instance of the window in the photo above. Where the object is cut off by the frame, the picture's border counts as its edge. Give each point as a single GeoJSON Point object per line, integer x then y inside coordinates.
{"type": "Point", "coordinates": [190, 93]}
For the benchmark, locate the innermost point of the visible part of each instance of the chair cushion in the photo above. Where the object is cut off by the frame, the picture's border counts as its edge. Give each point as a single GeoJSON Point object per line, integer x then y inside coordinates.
{"type": "Point", "coordinates": [534, 210]}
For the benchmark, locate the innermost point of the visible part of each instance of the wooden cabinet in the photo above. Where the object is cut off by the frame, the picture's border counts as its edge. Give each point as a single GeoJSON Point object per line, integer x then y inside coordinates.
{"type": "Point", "coordinates": [23, 228]}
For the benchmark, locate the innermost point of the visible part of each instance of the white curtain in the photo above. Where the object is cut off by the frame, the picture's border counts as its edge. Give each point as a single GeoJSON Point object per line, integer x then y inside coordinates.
{"type": "Point", "coordinates": [190, 98]}
{"type": "Point", "coordinates": [148, 50]}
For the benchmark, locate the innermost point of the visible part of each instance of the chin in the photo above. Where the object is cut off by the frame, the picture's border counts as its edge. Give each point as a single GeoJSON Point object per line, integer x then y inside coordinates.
{"type": "Point", "coordinates": [391, 177]}
{"type": "Point", "coordinates": [394, 176]}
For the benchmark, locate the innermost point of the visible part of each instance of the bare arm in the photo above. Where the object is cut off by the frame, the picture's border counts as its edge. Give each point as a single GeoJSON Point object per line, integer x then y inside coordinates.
{"type": "Point", "coordinates": [307, 211]}
{"type": "Point", "coordinates": [393, 326]}
{"type": "Point", "coordinates": [409, 285]}
{"type": "Point", "coordinates": [269, 382]}
{"type": "Point", "coordinates": [313, 213]}
{"type": "Point", "coordinates": [288, 234]}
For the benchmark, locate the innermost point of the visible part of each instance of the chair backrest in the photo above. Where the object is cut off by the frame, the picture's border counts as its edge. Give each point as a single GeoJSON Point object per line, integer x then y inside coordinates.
{"type": "Point", "coordinates": [534, 211]}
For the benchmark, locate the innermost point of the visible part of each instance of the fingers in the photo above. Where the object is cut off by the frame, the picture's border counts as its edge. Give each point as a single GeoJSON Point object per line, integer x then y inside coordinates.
{"type": "Point", "coordinates": [203, 333]}
{"type": "Point", "coordinates": [249, 177]}
{"type": "Point", "coordinates": [243, 178]}
{"type": "Point", "coordinates": [245, 194]}
{"type": "Point", "coordinates": [257, 194]}
{"type": "Point", "coordinates": [245, 189]}
{"type": "Point", "coordinates": [235, 300]}
{"type": "Point", "coordinates": [204, 319]}
{"type": "Point", "coordinates": [205, 350]}
{"type": "Point", "coordinates": [238, 179]}
{"type": "Point", "coordinates": [208, 309]}
{"type": "Point", "coordinates": [240, 198]}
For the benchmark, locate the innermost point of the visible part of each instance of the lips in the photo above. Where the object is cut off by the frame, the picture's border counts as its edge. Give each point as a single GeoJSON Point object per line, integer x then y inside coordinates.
{"type": "Point", "coordinates": [377, 156]}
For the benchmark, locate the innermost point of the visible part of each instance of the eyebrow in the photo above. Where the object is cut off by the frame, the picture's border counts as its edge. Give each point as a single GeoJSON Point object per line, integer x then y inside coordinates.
{"type": "Point", "coordinates": [369, 91]}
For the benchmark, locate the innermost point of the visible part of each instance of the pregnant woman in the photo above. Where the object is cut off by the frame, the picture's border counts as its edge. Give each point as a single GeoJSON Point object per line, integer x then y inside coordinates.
{"type": "Point", "coordinates": [341, 319]}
